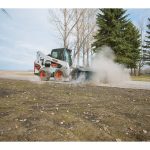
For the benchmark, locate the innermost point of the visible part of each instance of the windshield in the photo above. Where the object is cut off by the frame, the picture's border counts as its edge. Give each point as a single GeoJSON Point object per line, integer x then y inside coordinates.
{"type": "Point", "coordinates": [57, 53]}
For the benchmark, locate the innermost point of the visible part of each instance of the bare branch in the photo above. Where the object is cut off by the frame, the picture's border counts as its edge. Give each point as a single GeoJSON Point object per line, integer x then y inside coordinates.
{"type": "Point", "coordinates": [86, 37]}
{"type": "Point", "coordinates": [75, 23]}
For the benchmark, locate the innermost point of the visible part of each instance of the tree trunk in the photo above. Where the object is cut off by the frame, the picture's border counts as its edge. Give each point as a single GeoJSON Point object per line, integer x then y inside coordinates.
{"type": "Point", "coordinates": [65, 28]}
{"type": "Point", "coordinates": [88, 42]}
{"type": "Point", "coordinates": [139, 70]}
{"type": "Point", "coordinates": [82, 36]}
{"type": "Point", "coordinates": [83, 54]}
{"type": "Point", "coordinates": [131, 72]}
{"type": "Point", "coordinates": [87, 55]}
{"type": "Point", "coordinates": [77, 29]}
{"type": "Point", "coordinates": [134, 71]}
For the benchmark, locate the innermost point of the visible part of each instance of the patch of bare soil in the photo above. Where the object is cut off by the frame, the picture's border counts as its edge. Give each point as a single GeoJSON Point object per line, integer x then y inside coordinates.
{"type": "Point", "coordinates": [72, 112]}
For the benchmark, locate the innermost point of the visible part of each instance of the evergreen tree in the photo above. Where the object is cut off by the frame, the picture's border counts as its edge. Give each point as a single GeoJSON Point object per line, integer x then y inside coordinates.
{"type": "Point", "coordinates": [147, 42]}
{"type": "Point", "coordinates": [146, 51]}
{"type": "Point", "coordinates": [132, 37]}
{"type": "Point", "coordinates": [116, 31]}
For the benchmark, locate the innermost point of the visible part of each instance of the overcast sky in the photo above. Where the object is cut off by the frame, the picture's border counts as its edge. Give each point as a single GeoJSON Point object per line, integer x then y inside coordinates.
{"type": "Point", "coordinates": [29, 30]}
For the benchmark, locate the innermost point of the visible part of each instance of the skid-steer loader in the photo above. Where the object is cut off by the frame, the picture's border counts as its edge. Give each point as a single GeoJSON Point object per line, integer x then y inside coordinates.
{"type": "Point", "coordinates": [58, 65]}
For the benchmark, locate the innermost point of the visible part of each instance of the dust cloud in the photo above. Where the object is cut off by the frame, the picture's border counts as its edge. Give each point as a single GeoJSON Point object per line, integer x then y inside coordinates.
{"type": "Point", "coordinates": [106, 70]}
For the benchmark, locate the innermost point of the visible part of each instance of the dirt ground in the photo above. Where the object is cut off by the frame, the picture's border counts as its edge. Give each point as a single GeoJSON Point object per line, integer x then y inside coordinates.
{"type": "Point", "coordinates": [50, 111]}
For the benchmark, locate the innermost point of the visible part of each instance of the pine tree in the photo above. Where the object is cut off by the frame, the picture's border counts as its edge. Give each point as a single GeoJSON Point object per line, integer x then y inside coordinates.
{"type": "Point", "coordinates": [147, 42]}
{"type": "Point", "coordinates": [116, 31]}
{"type": "Point", "coordinates": [132, 37]}
{"type": "Point", "coordinates": [146, 51]}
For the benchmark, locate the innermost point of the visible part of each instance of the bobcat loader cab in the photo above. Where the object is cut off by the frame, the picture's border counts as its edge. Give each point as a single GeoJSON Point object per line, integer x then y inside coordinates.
{"type": "Point", "coordinates": [62, 54]}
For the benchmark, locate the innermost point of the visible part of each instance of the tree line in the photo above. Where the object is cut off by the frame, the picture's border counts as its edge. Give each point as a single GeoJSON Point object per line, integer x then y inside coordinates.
{"type": "Point", "coordinates": [85, 31]}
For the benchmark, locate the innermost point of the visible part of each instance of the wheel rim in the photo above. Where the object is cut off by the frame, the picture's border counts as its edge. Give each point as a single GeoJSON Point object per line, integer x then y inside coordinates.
{"type": "Point", "coordinates": [58, 75]}
{"type": "Point", "coordinates": [42, 74]}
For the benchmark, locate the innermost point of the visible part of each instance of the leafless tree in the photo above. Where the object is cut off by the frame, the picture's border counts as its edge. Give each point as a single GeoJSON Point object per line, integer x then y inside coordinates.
{"type": "Point", "coordinates": [63, 19]}
{"type": "Point", "coordinates": [84, 33]}
{"type": "Point", "coordinates": [141, 25]}
{"type": "Point", "coordinates": [91, 29]}
{"type": "Point", "coordinates": [76, 28]}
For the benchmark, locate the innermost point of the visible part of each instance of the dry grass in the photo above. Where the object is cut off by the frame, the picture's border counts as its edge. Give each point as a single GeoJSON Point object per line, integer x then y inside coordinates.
{"type": "Point", "coordinates": [141, 78]}
{"type": "Point", "coordinates": [62, 112]}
